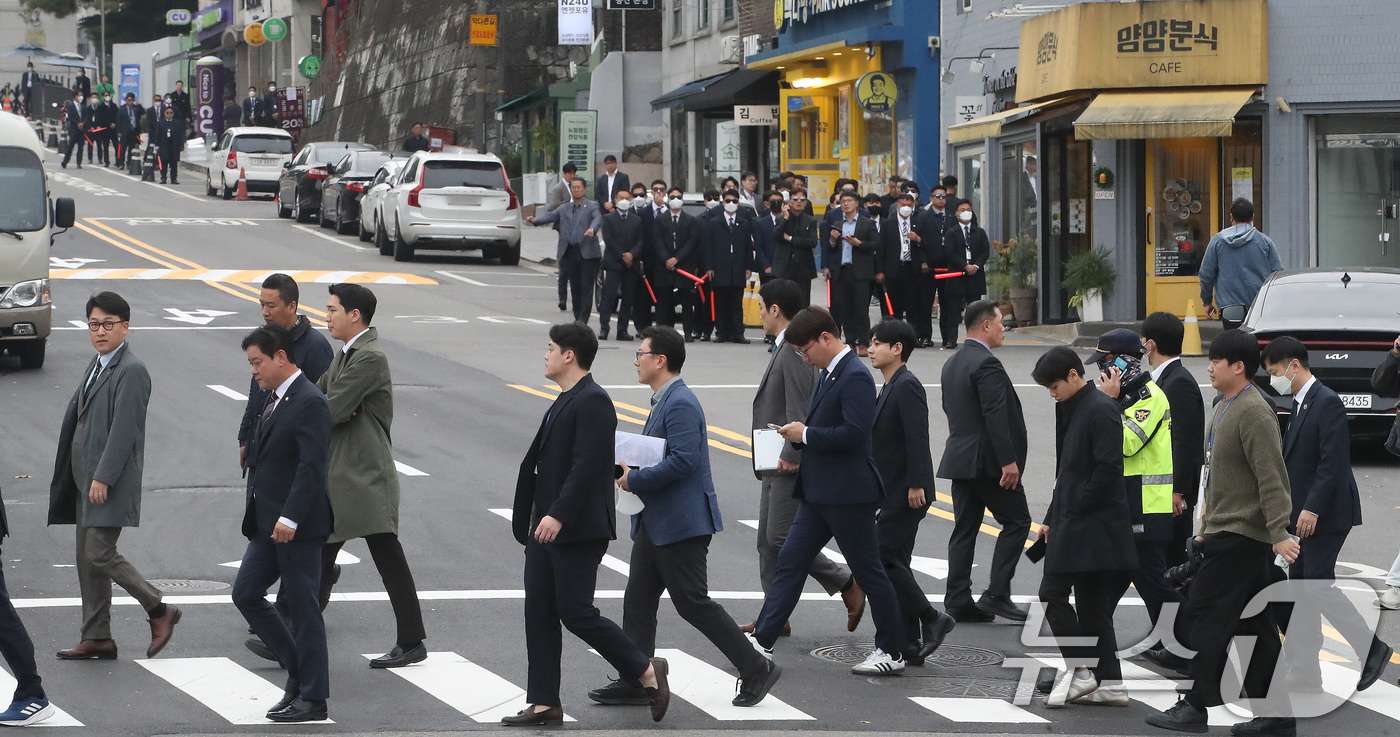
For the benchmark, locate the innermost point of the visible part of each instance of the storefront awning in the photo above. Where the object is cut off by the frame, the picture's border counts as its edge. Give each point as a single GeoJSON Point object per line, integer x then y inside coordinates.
{"type": "Point", "coordinates": [989, 126]}
{"type": "Point", "coordinates": [1196, 113]}
{"type": "Point", "coordinates": [723, 91]}
{"type": "Point", "coordinates": [676, 97]}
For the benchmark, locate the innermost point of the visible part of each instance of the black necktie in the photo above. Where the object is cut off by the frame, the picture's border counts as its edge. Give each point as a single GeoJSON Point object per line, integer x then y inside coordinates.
{"type": "Point", "coordinates": [267, 413]}
{"type": "Point", "coordinates": [92, 382]}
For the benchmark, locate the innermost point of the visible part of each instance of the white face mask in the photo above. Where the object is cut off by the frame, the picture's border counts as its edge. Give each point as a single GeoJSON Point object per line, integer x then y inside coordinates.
{"type": "Point", "coordinates": [965, 216]}
{"type": "Point", "coordinates": [271, 89]}
{"type": "Point", "coordinates": [731, 207]}
{"type": "Point", "coordinates": [624, 205]}
{"type": "Point", "coordinates": [676, 203]}
{"type": "Point", "coordinates": [252, 93]}
{"type": "Point", "coordinates": [1282, 384]}
{"type": "Point", "coordinates": [905, 211]}
{"type": "Point", "coordinates": [711, 203]}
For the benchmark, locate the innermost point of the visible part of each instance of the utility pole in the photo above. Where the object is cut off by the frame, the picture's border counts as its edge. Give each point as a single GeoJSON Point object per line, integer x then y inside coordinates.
{"type": "Point", "coordinates": [481, 87]}
{"type": "Point", "coordinates": [102, 50]}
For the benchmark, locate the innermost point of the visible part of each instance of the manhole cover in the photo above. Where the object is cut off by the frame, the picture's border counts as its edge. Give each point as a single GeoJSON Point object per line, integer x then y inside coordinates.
{"type": "Point", "coordinates": [948, 656]}
{"type": "Point", "coordinates": [972, 688]}
{"type": "Point", "coordinates": [185, 584]}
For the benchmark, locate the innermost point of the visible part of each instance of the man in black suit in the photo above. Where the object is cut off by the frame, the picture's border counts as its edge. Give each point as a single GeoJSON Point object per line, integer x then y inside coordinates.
{"type": "Point", "coordinates": [1326, 505]}
{"type": "Point", "coordinates": [129, 118]}
{"type": "Point", "coordinates": [563, 515]}
{"type": "Point", "coordinates": [287, 519]}
{"type": "Point", "coordinates": [971, 241]}
{"type": "Point", "coordinates": [105, 134]}
{"type": "Point", "coordinates": [950, 185]}
{"type": "Point", "coordinates": [765, 232]}
{"type": "Point", "coordinates": [906, 265]}
{"type": "Point", "coordinates": [154, 114]}
{"type": "Point", "coordinates": [795, 241]}
{"type": "Point", "coordinates": [27, 81]}
{"type": "Point", "coordinates": [82, 85]}
{"type": "Point", "coordinates": [984, 457]}
{"type": "Point", "coordinates": [29, 704]}
{"type": "Point", "coordinates": [676, 246]}
{"type": "Point", "coordinates": [644, 305]}
{"type": "Point", "coordinates": [852, 264]}
{"type": "Point", "coordinates": [180, 100]}
{"type": "Point", "coordinates": [840, 490]}
{"type": "Point", "coordinates": [611, 181]}
{"type": "Point", "coordinates": [624, 237]}
{"type": "Point", "coordinates": [169, 137]}
{"type": "Point", "coordinates": [271, 107]}
{"type": "Point", "coordinates": [75, 117]}
{"type": "Point", "coordinates": [901, 450]}
{"type": "Point", "coordinates": [937, 218]}
{"type": "Point", "coordinates": [252, 107]}
{"type": "Point", "coordinates": [1162, 334]}
{"type": "Point", "coordinates": [728, 264]}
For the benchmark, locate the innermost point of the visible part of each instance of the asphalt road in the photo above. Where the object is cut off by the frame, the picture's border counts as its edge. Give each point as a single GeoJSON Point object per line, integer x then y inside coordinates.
{"type": "Point", "coordinates": [466, 340]}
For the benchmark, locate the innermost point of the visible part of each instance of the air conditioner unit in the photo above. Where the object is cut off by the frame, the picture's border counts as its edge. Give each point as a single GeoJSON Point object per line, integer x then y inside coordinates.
{"type": "Point", "coordinates": [730, 50]}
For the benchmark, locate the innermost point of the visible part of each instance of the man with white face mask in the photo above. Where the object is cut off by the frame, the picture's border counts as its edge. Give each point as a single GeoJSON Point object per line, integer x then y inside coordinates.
{"type": "Point", "coordinates": [270, 113]}
{"type": "Point", "coordinates": [677, 244]}
{"type": "Point", "coordinates": [902, 236]}
{"type": "Point", "coordinates": [623, 238]}
{"type": "Point", "coordinates": [728, 262]}
{"type": "Point", "coordinates": [964, 237]}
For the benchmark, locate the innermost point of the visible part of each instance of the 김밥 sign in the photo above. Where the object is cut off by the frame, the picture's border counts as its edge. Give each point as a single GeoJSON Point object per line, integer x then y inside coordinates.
{"type": "Point", "coordinates": [756, 114]}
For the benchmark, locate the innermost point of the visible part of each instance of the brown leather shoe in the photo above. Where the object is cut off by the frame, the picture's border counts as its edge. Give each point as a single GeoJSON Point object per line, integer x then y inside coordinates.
{"type": "Point", "coordinates": [748, 628]}
{"type": "Point", "coordinates": [661, 695]}
{"type": "Point", "coordinates": [528, 717]}
{"type": "Point", "coordinates": [161, 629]}
{"type": "Point", "coordinates": [90, 650]}
{"type": "Point", "coordinates": [855, 605]}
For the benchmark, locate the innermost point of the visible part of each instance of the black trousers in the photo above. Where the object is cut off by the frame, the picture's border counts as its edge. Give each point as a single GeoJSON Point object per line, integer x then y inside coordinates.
{"type": "Point", "coordinates": [1235, 568]}
{"type": "Point", "coordinates": [128, 143]}
{"type": "Point", "coordinates": [559, 583]}
{"type": "Point", "coordinates": [169, 164]}
{"type": "Point", "coordinates": [664, 311]}
{"type": "Point", "coordinates": [1155, 591]}
{"type": "Point", "coordinates": [680, 568]}
{"type": "Point", "coordinates": [729, 312]}
{"type": "Point", "coordinates": [971, 498]}
{"type": "Point", "coordinates": [302, 650]}
{"type": "Point", "coordinates": [102, 141]}
{"type": "Point", "coordinates": [618, 285]}
{"type": "Point", "coordinates": [644, 308]}
{"type": "Point", "coordinates": [1317, 564]}
{"type": "Point", "coordinates": [581, 274]}
{"type": "Point", "coordinates": [850, 305]}
{"type": "Point", "coordinates": [804, 287]}
{"type": "Point", "coordinates": [948, 294]}
{"type": "Point", "coordinates": [896, 529]}
{"type": "Point", "coordinates": [18, 649]}
{"type": "Point", "coordinates": [1183, 528]}
{"type": "Point", "coordinates": [75, 142]}
{"type": "Point", "coordinates": [853, 526]}
{"type": "Point", "coordinates": [903, 291]}
{"type": "Point", "coordinates": [1096, 595]}
{"type": "Point", "coordinates": [389, 559]}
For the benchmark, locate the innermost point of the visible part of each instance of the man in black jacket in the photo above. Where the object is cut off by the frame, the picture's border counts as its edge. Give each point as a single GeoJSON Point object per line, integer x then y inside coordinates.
{"type": "Point", "coordinates": [30, 704]}
{"type": "Point", "coordinates": [286, 520]}
{"type": "Point", "coordinates": [169, 137]}
{"type": "Point", "coordinates": [417, 141]}
{"type": "Point", "coordinates": [852, 264]}
{"type": "Point", "coordinates": [1088, 533]}
{"type": "Point", "coordinates": [82, 85]}
{"type": "Point", "coordinates": [624, 236]}
{"type": "Point", "coordinates": [129, 118]}
{"type": "Point", "coordinates": [644, 302]}
{"type": "Point", "coordinates": [270, 113]}
{"type": "Point", "coordinates": [937, 218]}
{"type": "Point", "coordinates": [773, 208]}
{"type": "Point", "coordinates": [795, 241]}
{"type": "Point", "coordinates": [75, 117]}
{"type": "Point", "coordinates": [971, 241]}
{"type": "Point", "coordinates": [676, 248]}
{"type": "Point", "coordinates": [985, 456]}
{"type": "Point", "coordinates": [563, 515]}
{"type": "Point", "coordinates": [180, 100]}
{"type": "Point", "coordinates": [902, 237]}
{"type": "Point", "coordinates": [728, 263]}
{"type": "Point", "coordinates": [901, 452]}
{"type": "Point", "coordinates": [252, 108]}
{"type": "Point", "coordinates": [105, 133]}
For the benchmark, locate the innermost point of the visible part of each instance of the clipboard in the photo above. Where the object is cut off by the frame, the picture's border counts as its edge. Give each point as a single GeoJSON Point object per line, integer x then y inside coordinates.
{"type": "Point", "coordinates": [767, 446]}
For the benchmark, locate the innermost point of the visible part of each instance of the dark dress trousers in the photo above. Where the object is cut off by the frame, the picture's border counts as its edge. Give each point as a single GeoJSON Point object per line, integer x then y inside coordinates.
{"type": "Point", "coordinates": [947, 292]}
{"type": "Point", "coordinates": [795, 252]}
{"type": "Point", "coordinates": [252, 111]}
{"type": "Point", "coordinates": [73, 117]}
{"type": "Point", "coordinates": [975, 250]}
{"type": "Point", "coordinates": [852, 283]}
{"type": "Point", "coordinates": [287, 463]}
{"type": "Point", "coordinates": [904, 277]}
{"type": "Point", "coordinates": [677, 235]}
{"type": "Point", "coordinates": [1188, 449]}
{"type": "Point", "coordinates": [1090, 549]}
{"type": "Point", "coordinates": [623, 233]}
{"type": "Point", "coordinates": [129, 119]}
{"type": "Point", "coordinates": [271, 106]}
{"type": "Point", "coordinates": [169, 136]}
{"type": "Point", "coordinates": [901, 451]}
{"type": "Point", "coordinates": [840, 490]}
{"type": "Point", "coordinates": [644, 308]}
{"type": "Point", "coordinates": [730, 257]}
{"type": "Point", "coordinates": [568, 474]}
{"type": "Point", "coordinates": [986, 430]}
{"type": "Point", "coordinates": [15, 643]}
{"type": "Point", "coordinates": [764, 229]}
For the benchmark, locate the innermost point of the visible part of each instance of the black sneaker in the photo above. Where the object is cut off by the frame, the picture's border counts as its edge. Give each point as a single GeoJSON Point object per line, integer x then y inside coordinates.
{"type": "Point", "coordinates": [755, 687]}
{"type": "Point", "coordinates": [1266, 727]}
{"type": "Point", "coordinates": [1183, 717]}
{"type": "Point", "coordinates": [1171, 661]}
{"type": "Point", "coordinates": [621, 692]}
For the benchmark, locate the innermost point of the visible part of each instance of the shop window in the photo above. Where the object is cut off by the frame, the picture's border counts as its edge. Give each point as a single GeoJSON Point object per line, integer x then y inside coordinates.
{"type": "Point", "coordinates": [877, 162]}
{"type": "Point", "coordinates": [677, 18]}
{"type": "Point", "coordinates": [729, 11]}
{"type": "Point", "coordinates": [702, 15]}
{"type": "Point", "coordinates": [1242, 170]}
{"type": "Point", "coordinates": [1182, 219]}
{"type": "Point", "coordinates": [1358, 191]}
{"type": "Point", "coordinates": [1065, 169]}
{"type": "Point", "coordinates": [810, 127]}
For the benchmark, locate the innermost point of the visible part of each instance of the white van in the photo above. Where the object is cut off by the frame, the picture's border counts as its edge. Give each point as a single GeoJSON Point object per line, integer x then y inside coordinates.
{"type": "Point", "coordinates": [27, 223]}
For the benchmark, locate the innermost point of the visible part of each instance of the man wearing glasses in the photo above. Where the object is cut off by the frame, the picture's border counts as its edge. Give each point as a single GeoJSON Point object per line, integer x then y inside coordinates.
{"type": "Point", "coordinates": [937, 219]}
{"type": "Point", "coordinates": [795, 245]}
{"type": "Point", "coordinates": [97, 481]}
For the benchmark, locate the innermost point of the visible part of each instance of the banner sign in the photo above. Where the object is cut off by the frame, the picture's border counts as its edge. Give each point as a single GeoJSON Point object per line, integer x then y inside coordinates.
{"type": "Point", "coordinates": [576, 140]}
{"type": "Point", "coordinates": [208, 93]}
{"type": "Point", "coordinates": [756, 114]}
{"type": "Point", "coordinates": [575, 22]}
{"type": "Point", "coordinates": [291, 110]}
{"type": "Point", "coordinates": [483, 30]}
{"type": "Point", "coordinates": [130, 81]}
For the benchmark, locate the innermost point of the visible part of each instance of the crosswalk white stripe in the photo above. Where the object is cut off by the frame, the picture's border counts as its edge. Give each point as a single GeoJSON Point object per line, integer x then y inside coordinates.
{"type": "Point", "coordinates": [711, 690]}
{"type": "Point", "coordinates": [215, 275]}
{"type": "Point", "coordinates": [978, 711]}
{"type": "Point", "coordinates": [230, 393]}
{"type": "Point", "coordinates": [230, 690]}
{"type": "Point", "coordinates": [1381, 697]}
{"type": "Point", "coordinates": [408, 470]}
{"type": "Point", "coordinates": [609, 561]}
{"type": "Point", "coordinates": [935, 567]}
{"type": "Point", "coordinates": [60, 717]}
{"type": "Point", "coordinates": [1156, 690]}
{"type": "Point", "coordinates": [481, 695]}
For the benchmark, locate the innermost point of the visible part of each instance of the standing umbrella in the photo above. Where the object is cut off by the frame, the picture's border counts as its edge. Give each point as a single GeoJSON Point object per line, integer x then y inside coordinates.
{"type": "Point", "coordinates": [29, 50]}
{"type": "Point", "coordinates": [70, 61]}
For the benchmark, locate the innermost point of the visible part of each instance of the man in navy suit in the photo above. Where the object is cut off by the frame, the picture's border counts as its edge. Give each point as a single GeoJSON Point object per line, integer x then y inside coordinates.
{"type": "Point", "coordinates": [671, 535]}
{"type": "Point", "coordinates": [1326, 505]}
{"type": "Point", "coordinates": [287, 519]}
{"type": "Point", "coordinates": [840, 491]}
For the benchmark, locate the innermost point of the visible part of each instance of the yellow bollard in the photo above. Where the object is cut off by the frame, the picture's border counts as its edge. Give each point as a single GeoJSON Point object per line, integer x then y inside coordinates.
{"type": "Point", "coordinates": [1191, 342]}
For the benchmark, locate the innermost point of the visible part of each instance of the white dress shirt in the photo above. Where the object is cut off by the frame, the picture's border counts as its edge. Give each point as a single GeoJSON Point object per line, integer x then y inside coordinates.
{"type": "Point", "coordinates": [830, 374]}
{"type": "Point", "coordinates": [1156, 373]}
{"type": "Point", "coordinates": [103, 359]}
{"type": "Point", "coordinates": [351, 343]}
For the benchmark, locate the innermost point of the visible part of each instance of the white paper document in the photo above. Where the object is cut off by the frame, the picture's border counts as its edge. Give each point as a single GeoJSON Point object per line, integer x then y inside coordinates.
{"type": "Point", "coordinates": [767, 445]}
{"type": "Point", "coordinates": [638, 451]}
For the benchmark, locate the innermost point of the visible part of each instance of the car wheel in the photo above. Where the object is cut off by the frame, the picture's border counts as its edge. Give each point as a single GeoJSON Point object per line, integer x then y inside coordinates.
{"type": "Point", "coordinates": [298, 213]}
{"type": "Point", "coordinates": [282, 210]}
{"type": "Point", "coordinates": [365, 234]}
{"type": "Point", "coordinates": [343, 225]}
{"type": "Point", "coordinates": [228, 193]}
{"type": "Point", "coordinates": [31, 355]}
{"type": "Point", "coordinates": [510, 255]}
{"type": "Point", "coordinates": [402, 250]}
{"type": "Point", "coordinates": [321, 216]}
{"type": "Point", "coordinates": [381, 239]}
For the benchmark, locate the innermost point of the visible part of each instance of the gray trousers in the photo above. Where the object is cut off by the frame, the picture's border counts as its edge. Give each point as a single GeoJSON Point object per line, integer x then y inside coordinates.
{"type": "Point", "coordinates": [99, 564]}
{"type": "Point", "coordinates": [776, 508]}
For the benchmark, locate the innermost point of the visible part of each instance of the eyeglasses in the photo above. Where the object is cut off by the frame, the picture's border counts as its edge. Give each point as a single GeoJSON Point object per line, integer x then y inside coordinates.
{"type": "Point", "coordinates": [658, 189]}
{"type": "Point", "coordinates": [107, 325]}
{"type": "Point", "coordinates": [799, 199]}
{"type": "Point", "coordinates": [940, 197]}
{"type": "Point", "coordinates": [646, 353]}
{"type": "Point", "coordinates": [803, 350]}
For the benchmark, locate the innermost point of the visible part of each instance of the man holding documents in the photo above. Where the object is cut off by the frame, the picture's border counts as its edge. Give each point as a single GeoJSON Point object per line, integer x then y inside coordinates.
{"type": "Point", "coordinates": [671, 534]}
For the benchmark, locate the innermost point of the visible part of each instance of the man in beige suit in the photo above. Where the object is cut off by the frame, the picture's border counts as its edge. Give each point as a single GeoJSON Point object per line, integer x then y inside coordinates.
{"type": "Point", "coordinates": [783, 396]}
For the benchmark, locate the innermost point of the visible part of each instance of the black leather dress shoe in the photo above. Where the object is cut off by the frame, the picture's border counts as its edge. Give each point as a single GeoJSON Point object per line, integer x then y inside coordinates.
{"type": "Point", "coordinates": [301, 710]}
{"type": "Point", "coordinates": [661, 695]}
{"type": "Point", "coordinates": [624, 335]}
{"type": "Point", "coordinates": [621, 692]}
{"type": "Point", "coordinates": [1002, 607]}
{"type": "Point", "coordinates": [259, 648]}
{"type": "Point", "coordinates": [398, 657]}
{"type": "Point", "coordinates": [1183, 717]}
{"type": "Point", "coordinates": [755, 687]}
{"type": "Point", "coordinates": [969, 614]}
{"type": "Point", "coordinates": [1169, 660]}
{"type": "Point", "coordinates": [1375, 664]}
{"type": "Point", "coordinates": [528, 717]}
{"type": "Point", "coordinates": [603, 334]}
{"type": "Point", "coordinates": [739, 339]}
{"type": "Point", "coordinates": [935, 629]}
{"type": "Point", "coordinates": [289, 695]}
{"type": "Point", "coordinates": [1266, 727]}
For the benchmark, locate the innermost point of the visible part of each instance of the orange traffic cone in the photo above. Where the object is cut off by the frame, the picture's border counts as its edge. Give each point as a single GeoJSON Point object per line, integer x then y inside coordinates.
{"type": "Point", "coordinates": [242, 186]}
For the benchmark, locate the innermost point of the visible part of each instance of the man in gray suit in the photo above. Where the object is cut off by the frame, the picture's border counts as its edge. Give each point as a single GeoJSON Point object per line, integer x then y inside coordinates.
{"type": "Point", "coordinates": [783, 395]}
{"type": "Point", "coordinates": [97, 480]}
{"type": "Point", "coordinates": [578, 252]}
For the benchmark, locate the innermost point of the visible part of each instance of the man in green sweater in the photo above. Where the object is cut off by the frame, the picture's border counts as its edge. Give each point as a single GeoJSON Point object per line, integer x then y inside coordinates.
{"type": "Point", "coordinates": [1247, 505]}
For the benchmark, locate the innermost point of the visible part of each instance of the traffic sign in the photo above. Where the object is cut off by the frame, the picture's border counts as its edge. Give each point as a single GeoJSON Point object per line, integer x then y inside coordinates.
{"type": "Point", "coordinates": [275, 29]}
{"type": "Point", "coordinates": [483, 30]}
{"type": "Point", "coordinates": [253, 34]}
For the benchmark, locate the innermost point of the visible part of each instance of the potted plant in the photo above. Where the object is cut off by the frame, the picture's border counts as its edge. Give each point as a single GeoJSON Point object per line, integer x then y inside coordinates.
{"type": "Point", "coordinates": [1089, 278]}
{"type": "Point", "coordinates": [1016, 264]}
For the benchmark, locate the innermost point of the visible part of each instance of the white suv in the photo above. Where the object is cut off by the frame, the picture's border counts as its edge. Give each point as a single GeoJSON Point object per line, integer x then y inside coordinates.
{"type": "Point", "coordinates": [261, 153]}
{"type": "Point", "coordinates": [452, 201]}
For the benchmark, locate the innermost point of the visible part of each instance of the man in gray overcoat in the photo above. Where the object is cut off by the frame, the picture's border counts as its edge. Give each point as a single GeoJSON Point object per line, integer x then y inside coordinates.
{"type": "Point", "coordinates": [97, 480]}
{"type": "Point", "coordinates": [364, 483]}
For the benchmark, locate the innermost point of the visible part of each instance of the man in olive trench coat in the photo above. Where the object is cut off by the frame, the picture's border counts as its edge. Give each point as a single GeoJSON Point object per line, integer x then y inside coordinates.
{"type": "Point", "coordinates": [97, 480]}
{"type": "Point", "coordinates": [364, 482]}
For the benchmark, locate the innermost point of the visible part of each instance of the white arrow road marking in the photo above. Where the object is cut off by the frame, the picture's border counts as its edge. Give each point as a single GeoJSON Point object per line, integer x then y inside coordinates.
{"type": "Point", "coordinates": [408, 470]}
{"type": "Point", "coordinates": [72, 263]}
{"type": "Point", "coordinates": [231, 394]}
{"type": "Point", "coordinates": [196, 317]}
{"type": "Point", "coordinates": [342, 558]}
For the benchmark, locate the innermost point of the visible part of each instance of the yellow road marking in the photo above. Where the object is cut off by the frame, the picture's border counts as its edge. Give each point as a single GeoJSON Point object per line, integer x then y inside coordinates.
{"type": "Point", "coordinates": [241, 276]}
{"type": "Point", "coordinates": [631, 408]}
{"type": "Point", "coordinates": [647, 413]}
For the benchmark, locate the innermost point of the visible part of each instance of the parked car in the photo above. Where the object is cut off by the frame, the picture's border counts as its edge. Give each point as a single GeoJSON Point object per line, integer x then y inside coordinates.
{"type": "Point", "coordinates": [299, 186]}
{"type": "Point", "coordinates": [383, 179]}
{"type": "Point", "coordinates": [341, 191]}
{"type": "Point", "coordinates": [1346, 319]}
{"type": "Point", "coordinates": [453, 201]}
{"type": "Point", "coordinates": [259, 154]}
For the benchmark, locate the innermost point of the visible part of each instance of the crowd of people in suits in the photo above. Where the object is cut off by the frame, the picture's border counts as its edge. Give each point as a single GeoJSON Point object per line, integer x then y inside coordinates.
{"type": "Point", "coordinates": [109, 131]}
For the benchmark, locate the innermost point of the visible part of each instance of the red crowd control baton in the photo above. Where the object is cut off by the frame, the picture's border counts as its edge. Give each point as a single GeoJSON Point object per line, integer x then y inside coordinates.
{"type": "Point", "coordinates": [953, 275]}
{"type": "Point", "coordinates": [828, 294]}
{"type": "Point", "coordinates": [649, 289]}
{"type": "Point", "coordinates": [689, 276]}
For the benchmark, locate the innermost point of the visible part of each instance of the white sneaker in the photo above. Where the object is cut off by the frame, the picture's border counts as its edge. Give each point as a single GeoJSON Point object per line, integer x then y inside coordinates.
{"type": "Point", "coordinates": [1390, 598]}
{"type": "Point", "coordinates": [879, 663]}
{"type": "Point", "coordinates": [1069, 686]}
{"type": "Point", "coordinates": [766, 652]}
{"type": "Point", "coordinates": [1105, 695]}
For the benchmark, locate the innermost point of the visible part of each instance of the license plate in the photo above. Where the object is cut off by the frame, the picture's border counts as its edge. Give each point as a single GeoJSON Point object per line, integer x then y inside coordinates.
{"type": "Point", "coordinates": [265, 160]}
{"type": "Point", "coordinates": [462, 200]}
{"type": "Point", "coordinates": [1356, 401]}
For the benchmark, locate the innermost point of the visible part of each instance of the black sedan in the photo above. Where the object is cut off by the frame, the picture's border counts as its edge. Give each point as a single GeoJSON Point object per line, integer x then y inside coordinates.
{"type": "Point", "coordinates": [1348, 319]}
{"type": "Point", "coordinates": [299, 187]}
{"type": "Point", "coordinates": [341, 191]}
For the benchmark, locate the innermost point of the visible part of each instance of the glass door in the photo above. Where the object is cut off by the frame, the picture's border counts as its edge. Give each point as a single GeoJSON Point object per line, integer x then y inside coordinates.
{"type": "Point", "coordinates": [808, 129]}
{"type": "Point", "coordinates": [1182, 208]}
{"type": "Point", "coordinates": [1358, 192]}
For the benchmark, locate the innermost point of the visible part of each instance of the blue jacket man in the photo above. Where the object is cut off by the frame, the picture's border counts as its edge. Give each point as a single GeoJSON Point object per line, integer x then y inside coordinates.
{"type": "Point", "coordinates": [1237, 261]}
{"type": "Point", "coordinates": [578, 252]}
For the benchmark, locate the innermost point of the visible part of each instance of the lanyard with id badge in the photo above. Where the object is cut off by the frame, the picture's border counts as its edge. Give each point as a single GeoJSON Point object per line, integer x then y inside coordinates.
{"type": "Point", "coordinates": [1210, 444]}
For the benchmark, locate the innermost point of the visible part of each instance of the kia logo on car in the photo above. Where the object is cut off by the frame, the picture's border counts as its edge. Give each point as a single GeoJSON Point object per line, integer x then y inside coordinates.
{"type": "Point", "coordinates": [1337, 356]}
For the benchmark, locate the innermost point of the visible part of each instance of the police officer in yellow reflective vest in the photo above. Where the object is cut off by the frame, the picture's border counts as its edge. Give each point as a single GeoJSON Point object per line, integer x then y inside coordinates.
{"type": "Point", "coordinates": [1147, 466]}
